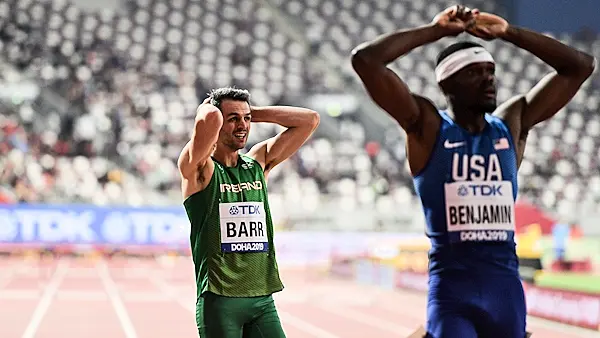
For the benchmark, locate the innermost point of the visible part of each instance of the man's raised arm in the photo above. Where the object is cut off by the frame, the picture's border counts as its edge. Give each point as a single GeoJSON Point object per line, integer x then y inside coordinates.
{"type": "Point", "coordinates": [207, 125]}
{"type": "Point", "coordinates": [300, 124]}
{"type": "Point", "coordinates": [370, 60]}
{"type": "Point", "coordinates": [555, 90]}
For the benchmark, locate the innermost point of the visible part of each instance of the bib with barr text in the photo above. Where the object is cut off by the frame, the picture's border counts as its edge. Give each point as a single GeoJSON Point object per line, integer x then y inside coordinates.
{"type": "Point", "coordinates": [243, 227]}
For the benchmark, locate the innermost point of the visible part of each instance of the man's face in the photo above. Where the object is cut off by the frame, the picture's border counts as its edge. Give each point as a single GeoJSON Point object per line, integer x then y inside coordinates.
{"type": "Point", "coordinates": [474, 87]}
{"type": "Point", "coordinates": [236, 124]}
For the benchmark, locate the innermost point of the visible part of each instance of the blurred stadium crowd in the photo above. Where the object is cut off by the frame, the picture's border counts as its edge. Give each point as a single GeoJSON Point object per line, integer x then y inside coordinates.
{"type": "Point", "coordinates": [96, 105]}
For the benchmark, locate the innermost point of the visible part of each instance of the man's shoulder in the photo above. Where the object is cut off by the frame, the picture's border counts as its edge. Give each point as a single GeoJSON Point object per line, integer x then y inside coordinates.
{"type": "Point", "coordinates": [511, 108]}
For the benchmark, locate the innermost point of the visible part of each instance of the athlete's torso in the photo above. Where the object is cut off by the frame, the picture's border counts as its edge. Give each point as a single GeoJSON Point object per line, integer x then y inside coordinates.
{"type": "Point", "coordinates": [232, 233]}
{"type": "Point", "coordinates": [467, 190]}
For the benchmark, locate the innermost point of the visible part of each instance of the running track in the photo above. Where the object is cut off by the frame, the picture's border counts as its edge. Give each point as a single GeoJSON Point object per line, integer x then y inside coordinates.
{"type": "Point", "coordinates": [150, 298]}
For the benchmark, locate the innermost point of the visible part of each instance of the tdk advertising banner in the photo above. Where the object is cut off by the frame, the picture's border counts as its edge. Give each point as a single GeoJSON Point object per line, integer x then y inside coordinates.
{"type": "Point", "coordinates": [73, 224]}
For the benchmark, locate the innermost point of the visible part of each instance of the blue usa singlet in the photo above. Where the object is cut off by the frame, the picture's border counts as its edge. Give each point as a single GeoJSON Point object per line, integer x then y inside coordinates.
{"type": "Point", "coordinates": [468, 190]}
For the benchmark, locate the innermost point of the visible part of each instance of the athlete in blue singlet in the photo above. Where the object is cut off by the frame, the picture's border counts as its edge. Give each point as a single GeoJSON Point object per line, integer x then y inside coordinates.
{"type": "Point", "coordinates": [464, 161]}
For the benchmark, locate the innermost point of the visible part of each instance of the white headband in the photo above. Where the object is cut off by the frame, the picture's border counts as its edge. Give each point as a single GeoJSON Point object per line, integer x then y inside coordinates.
{"type": "Point", "coordinates": [459, 60]}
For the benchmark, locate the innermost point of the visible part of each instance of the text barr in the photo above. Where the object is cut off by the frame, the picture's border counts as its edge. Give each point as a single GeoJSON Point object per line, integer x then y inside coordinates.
{"type": "Point", "coordinates": [252, 229]}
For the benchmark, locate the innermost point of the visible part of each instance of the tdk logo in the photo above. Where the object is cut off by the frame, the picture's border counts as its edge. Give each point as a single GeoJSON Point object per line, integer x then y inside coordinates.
{"type": "Point", "coordinates": [480, 190]}
{"type": "Point", "coordinates": [244, 210]}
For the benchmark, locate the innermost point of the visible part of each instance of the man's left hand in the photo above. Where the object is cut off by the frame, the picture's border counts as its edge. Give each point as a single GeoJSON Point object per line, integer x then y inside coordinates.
{"type": "Point", "coordinates": [488, 26]}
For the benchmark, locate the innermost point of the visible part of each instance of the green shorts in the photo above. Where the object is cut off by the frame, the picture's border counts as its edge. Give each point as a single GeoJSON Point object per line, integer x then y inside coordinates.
{"type": "Point", "coordinates": [229, 317]}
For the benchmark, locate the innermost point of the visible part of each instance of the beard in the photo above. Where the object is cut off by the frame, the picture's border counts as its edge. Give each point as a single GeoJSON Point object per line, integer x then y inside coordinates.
{"type": "Point", "coordinates": [487, 106]}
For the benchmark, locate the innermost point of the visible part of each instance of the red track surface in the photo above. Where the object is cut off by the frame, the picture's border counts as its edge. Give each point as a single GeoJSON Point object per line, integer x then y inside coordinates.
{"type": "Point", "coordinates": [155, 299]}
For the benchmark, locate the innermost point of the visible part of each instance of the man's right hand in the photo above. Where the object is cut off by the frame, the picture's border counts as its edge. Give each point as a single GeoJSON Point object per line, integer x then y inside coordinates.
{"type": "Point", "coordinates": [207, 101]}
{"type": "Point", "coordinates": [455, 20]}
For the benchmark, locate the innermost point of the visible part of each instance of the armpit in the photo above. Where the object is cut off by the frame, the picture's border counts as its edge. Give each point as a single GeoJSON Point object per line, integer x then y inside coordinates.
{"type": "Point", "coordinates": [199, 177]}
{"type": "Point", "coordinates": [523, 134]}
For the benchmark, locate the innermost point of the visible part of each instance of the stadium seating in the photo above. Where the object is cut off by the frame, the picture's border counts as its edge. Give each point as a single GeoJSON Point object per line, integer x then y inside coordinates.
{"type": "Point", "coordinates": [119, 89]}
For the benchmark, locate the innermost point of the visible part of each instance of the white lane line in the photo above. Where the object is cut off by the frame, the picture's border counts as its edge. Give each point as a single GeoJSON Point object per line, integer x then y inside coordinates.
{"type": "Point", "coordinates": [364, 318]}
{"type": "Point", "coordinates": [115, 300]}
{"type": "Point", "coordinates": [50, 291]}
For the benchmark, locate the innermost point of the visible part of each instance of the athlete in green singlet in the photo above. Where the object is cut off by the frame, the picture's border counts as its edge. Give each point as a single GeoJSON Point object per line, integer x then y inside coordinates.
{"type": "Point", "coordinates": [225, 197]}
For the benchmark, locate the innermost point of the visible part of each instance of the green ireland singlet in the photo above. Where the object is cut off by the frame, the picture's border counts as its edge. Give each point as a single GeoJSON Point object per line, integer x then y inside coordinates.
{"type": "Point", "coordinates": [232, 233]}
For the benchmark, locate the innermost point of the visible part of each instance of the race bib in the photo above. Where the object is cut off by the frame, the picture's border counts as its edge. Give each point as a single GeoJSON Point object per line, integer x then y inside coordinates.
{"type": "Point", "coordinates": [480, 211]}
{"type": "Point", "coordinates": [243, 227]}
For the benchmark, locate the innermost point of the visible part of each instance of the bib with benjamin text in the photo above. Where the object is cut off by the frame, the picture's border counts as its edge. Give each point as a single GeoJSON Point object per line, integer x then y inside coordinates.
{"type": "Point", "coordinates": [479, 210]}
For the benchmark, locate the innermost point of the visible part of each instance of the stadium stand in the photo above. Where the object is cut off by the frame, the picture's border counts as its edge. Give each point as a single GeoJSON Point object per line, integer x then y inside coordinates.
{"type": "Point", "coordinates": [116, 92]}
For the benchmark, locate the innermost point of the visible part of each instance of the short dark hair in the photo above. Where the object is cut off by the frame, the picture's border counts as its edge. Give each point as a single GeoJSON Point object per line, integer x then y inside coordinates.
{"type": "Point", "coordinates": [228, 93]}
{"type": "Point", "coordinates": [455, 47]}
